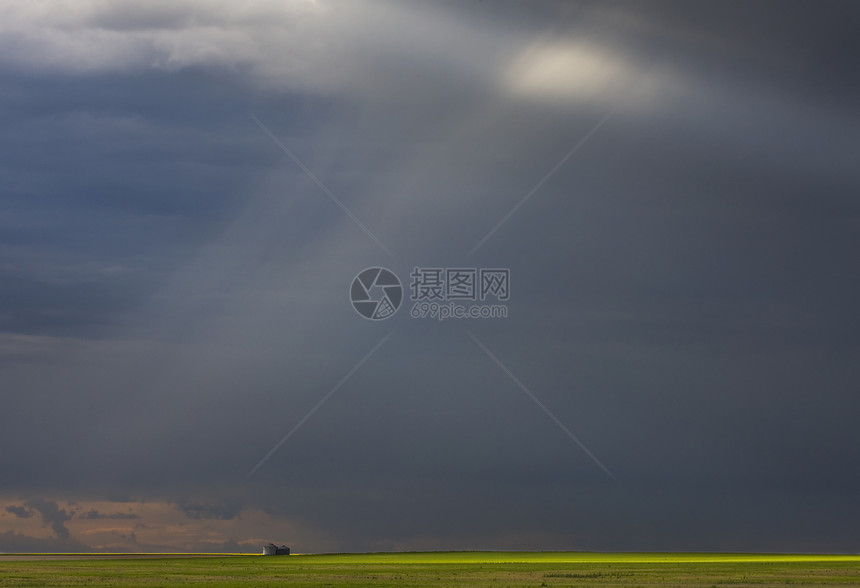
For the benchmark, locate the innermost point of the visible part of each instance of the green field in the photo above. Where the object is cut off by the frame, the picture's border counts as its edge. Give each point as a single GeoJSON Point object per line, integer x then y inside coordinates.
{"type": "Point", "coordinates": [439, 569]}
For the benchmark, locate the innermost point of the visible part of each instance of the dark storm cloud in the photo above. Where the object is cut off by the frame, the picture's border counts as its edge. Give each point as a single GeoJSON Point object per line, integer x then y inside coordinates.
{"type": "Point", "coordinates": [807, 54]}
{"type": "Point", "coordinates": [173, 293]}
{"type": "Point", "coordinates": [93, 514]}
{"type": "Point", "coordinates": [52, 515]}
{"type": "Point", "coordinates": [224, 511]}
{"type": "Point", "coordinates": [21, 512]}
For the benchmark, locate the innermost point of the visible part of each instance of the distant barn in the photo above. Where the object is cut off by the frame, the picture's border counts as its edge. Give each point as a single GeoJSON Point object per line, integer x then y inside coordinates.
{"type": "Point", "coordinates": [272, 549]}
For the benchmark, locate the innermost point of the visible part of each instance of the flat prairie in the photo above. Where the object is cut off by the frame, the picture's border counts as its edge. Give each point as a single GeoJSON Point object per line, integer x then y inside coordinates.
{"type": "Point", "coordinates": [432, 568]}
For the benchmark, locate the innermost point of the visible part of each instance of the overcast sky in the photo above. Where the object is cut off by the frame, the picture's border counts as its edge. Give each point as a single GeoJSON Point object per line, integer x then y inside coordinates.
{"type": "Point", "coordinates": [680, 364]}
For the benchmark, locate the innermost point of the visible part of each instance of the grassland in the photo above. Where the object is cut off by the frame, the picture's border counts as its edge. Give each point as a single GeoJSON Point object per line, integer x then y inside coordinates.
{"type": "Point", "coordinates": [439, 569]}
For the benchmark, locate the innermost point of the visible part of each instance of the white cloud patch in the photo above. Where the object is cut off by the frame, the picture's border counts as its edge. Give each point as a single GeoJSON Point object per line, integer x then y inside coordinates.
{"type": "Point", "coordinates": [100, 36]}
{"type": "Point", "coordinates": [366, 48]}
{"type": "Point", "coordinates": [296, 44]}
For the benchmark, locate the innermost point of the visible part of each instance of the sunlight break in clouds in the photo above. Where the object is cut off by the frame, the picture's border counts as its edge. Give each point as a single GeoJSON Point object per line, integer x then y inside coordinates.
{"type": "Point", "coordinates": [576, 71]}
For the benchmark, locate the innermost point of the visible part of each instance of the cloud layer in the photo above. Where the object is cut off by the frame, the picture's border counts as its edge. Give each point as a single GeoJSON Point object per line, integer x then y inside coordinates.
{"type": "Point", "coordinates": [173, 287]}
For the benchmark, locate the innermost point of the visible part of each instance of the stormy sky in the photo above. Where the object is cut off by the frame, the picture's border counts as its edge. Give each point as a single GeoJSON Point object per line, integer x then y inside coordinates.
{"type": "Point", "coordinates": [189, 189]}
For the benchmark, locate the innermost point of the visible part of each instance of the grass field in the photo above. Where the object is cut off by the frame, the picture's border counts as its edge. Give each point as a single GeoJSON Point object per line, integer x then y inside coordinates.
{"type": "Point", "coordinates": [438, 569]}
